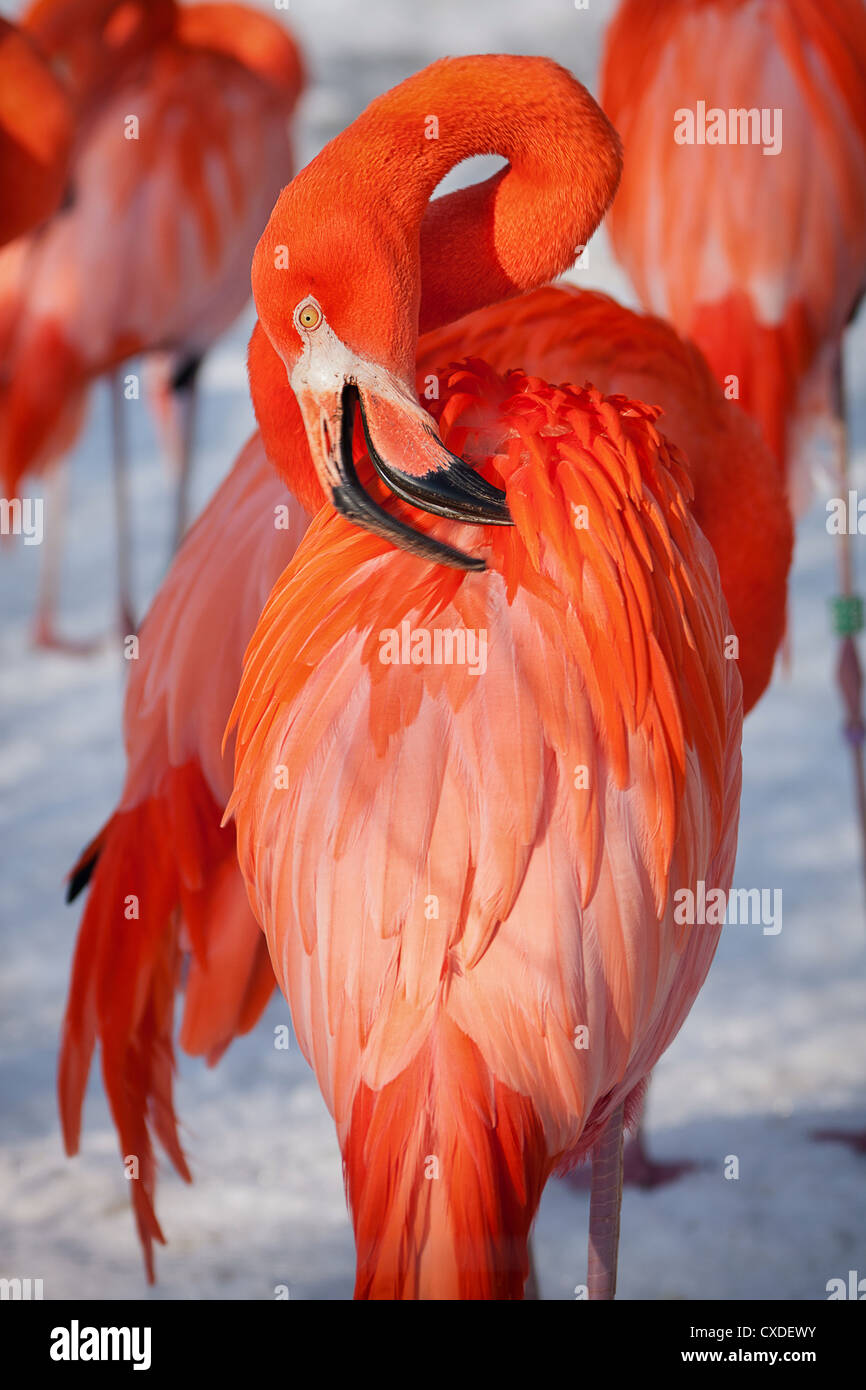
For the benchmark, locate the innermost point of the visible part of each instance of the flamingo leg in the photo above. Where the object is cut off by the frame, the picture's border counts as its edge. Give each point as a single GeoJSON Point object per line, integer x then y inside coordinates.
{"type": "Point", "coordinates": [849, 677]}
{"type": "Point", "coordinates": [639, 1168]}
{"type": "Point", "coordinates": [45, 624]}
{"type": "Point", "coordinates": [184, 385]}
{"type": "Point", "coordinates": [848, 622]}
{"type": "Point", "coordinates": [120, 477]}
{"type": "Point", "coordinates": [45, 634]}
{"type": "Point", "coordinates": [605, 1201]}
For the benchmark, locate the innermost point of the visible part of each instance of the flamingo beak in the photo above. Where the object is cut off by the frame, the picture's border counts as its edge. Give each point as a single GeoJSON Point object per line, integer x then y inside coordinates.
{"type": "Point", "coordinates": [408, 455]}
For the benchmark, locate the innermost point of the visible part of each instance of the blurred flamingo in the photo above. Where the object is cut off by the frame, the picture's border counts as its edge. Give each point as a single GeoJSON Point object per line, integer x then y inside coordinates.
{"type": "Point", "coordinates": [756, 246]}
{"type": "Point", "coordinates": [468, 880]}
{"type": "Point", "coordinates": [35, 135]}
{"type": "Point", "coordinates": [181, 150]}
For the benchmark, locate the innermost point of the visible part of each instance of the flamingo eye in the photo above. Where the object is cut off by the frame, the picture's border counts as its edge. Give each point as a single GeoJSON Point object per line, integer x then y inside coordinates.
{"type": "Point", "coordinates": [308, 315]}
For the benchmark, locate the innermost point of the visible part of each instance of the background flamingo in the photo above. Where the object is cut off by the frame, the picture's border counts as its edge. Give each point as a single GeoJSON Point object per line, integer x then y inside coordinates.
{"type": "Point", "coordinates": [760, 258]}
{"type": "Point", "coordinates": [153, 251]}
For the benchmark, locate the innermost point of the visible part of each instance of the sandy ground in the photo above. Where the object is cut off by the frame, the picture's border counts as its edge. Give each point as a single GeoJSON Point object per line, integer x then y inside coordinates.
{"type": "Point", "coordinates": [773, 1048]}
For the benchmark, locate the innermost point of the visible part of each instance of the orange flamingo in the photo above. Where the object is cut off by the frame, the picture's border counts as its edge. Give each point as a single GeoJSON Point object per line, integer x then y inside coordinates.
{"type": "Point", "coordinates": [35, 135]}
{"type": "Point", "coordinates": [468, 882]}
{"type": "Point", "coordinates": [742, 218]}
{"type": "Point", "coordinates": [754, 247]}
{"type": "Point", "coordinates": [182, 148]}
{"type": "Point", "coordinates": [164, 846]}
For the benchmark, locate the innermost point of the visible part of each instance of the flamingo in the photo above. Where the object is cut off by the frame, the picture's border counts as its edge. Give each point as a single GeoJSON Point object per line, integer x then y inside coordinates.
{"type": "Point", "coordinates": [755, 248]}
{"type": "Point", "coordinates": [164, 845]}
{"type": "Point", "coordinates": [468, 881]}
{"type": "Point", "coordinates": [35, 135]}
{"type": "Point", "coordinates": [153, 251]}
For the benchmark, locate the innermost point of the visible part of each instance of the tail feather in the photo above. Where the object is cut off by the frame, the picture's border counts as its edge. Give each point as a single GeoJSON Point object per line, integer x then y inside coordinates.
{"type": "Point", "coordinates": [226, 992]}
{"type": "Point", "coordinates": [152, 866]}
{"type": "Point", "coordinates": [444, 1168]}
{"type": "Point", "coordinates": [126, 962]}
{"type": "Point", "coordinates": [82, 870]}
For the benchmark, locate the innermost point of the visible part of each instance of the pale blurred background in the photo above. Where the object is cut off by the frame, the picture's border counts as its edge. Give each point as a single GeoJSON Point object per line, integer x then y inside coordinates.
{"type": "Point", "coordinates": [773, 1048]}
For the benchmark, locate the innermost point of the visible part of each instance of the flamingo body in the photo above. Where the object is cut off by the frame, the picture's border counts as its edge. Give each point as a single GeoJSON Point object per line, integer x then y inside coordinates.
{"type": "Point", "coordinates": [759, 257]}
{"type": "Point", "coordinates": [561, 333]}
{"type": "Point", "coordinates": [181, 690]}
{"type": "Point", "coordinates": [451, 1031]}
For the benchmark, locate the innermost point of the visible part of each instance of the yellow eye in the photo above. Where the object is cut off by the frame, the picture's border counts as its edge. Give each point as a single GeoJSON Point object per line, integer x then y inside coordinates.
{"type": "Point", "coordinates": [310, 316]}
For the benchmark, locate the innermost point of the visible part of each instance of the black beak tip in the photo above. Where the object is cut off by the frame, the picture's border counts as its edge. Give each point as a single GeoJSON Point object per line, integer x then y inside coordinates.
{"type": "Point", "coordinates": [462, 493]}
{"type": "Point", "coordinates": [350, 500]}
{"type": "Point", "coordinates": [456, 492]}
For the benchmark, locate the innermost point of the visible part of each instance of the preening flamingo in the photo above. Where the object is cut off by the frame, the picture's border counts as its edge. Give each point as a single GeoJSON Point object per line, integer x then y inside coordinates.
{"type": "Point", "coordinates": [182, 147]}
{"type": "Point", "coordinates": [35, 135]}
{"type": "Point", "coordinates": [467, 880]}
{"type": "Point", "coordinates": [747, 229]}
{"type": "Point", "coordinates": [163, 844]}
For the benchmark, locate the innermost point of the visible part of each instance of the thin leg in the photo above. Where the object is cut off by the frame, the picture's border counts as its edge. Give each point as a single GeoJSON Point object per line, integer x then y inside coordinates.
{"type": "Point", "coordinates": [604, 1205]}
{"type": "Point", "coordinates": [45, 632]}
{"type": "Point", "coordinates": [849, 677]}
{"type": "Point", "coordinates": [120, 472]}
{"type": "Point", "coordinates": [639, 1168]}
{"type": "Point", "coordinates": [184, 384]}
{"type": "Point", "coordinates": [45, 626]}
{"type": "Point", "coordinates": [848, 613]}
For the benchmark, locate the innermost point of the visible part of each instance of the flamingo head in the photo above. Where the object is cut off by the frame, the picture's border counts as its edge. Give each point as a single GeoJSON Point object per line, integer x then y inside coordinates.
{"type": "Point", "coordinates": [340, 307]}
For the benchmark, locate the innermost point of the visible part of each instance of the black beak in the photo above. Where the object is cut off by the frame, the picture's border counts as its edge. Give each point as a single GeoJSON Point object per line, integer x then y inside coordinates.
{"type": "Point", "coordinates": [456, 492]}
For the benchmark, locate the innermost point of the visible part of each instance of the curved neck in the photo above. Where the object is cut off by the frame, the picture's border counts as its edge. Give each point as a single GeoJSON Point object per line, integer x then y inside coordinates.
{"type": "Point", "coordinates": [475, 247]}
{"type": "Point", "coordinates": [516, 231]}
{"type": "Point", "coordinates": [526, 224]}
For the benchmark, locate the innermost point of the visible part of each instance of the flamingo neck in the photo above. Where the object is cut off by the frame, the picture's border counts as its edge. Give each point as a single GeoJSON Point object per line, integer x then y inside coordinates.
{"type": "Point", "coordinates": [526, 224]}
{"type": "Point", "coordinates": [438, 261]}
{"type": "Point", "coordinates": [511, 233]}
{"type": "Point", "coordinates": [280, 422]}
